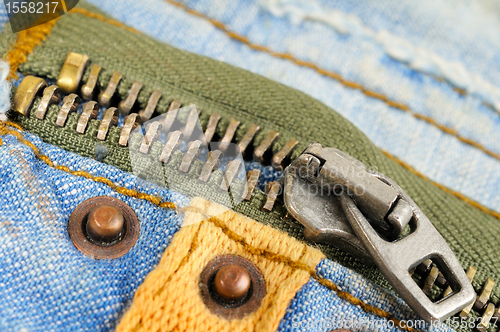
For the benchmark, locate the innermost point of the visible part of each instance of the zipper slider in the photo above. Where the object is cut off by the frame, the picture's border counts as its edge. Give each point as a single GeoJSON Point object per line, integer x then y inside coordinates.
{"type": "Point", "coordinates": [339, 201]}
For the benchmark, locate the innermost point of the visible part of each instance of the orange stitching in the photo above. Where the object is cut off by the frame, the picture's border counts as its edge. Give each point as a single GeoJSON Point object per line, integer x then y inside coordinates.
{"type": "Point", "coordinates": [102, 18]}
{"type": "Point", "coordinates": [121, 190]}
{"type": "Point", "coordinates": [337, 77]}
{"type": "Point", "coordinates": [220, 223]}
{"type": "Point", "coordinates": [444, 188]}
{"type": "Point", "coordinates": [296, 265]}
{"type": "Point", "coordinates": [28, 39]}
{"type": "Point", "coordinates": [32, 37]}
{"type": "Point", "coordinates": [25, 43]}
{"type": "Point", "coordinates": [183, 262]}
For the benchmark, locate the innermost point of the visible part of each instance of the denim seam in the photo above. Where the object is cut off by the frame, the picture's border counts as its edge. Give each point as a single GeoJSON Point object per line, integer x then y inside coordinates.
{"type": "Point", "coordinates": [25, 43]}
{"type": "Point", "coordinates": [286, 56]}
{"type": "Point", "coordinates": [398, 48]}
{"type": "Point", "coordinates": [337, 77]}
{"type": "Point", "coordinates": [121, 190]}
{"type": "Point", "coordinates": [192, 247]}
{"type": "Point", "coordinates": [442, 187]}
{"type": "Point", "coordinates": [400, 162]}
{"type": "Point", "coordinates": [297, 265]}
{"type": "Point", "coordinates": [217, 222]}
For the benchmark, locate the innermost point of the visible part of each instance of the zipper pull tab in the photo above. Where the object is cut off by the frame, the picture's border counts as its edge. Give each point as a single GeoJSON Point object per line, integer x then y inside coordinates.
{"type": "Point", "coordinates": [335, 197]}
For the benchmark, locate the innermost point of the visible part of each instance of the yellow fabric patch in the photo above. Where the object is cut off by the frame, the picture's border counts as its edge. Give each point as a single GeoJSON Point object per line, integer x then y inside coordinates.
{"type": "Point", "coordinates": [170, 300]}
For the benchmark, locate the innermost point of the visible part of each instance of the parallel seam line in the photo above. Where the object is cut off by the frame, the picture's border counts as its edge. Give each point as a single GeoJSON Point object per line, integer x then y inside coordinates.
{"type": "Point", "coordinates": [4, 130]}
{"type": "Point", "coordinates": [337, 77]}
{"type": "Point", "coordinates": [297, 265]}
{"type": "Point", "coordinates": [221, 26]}
{"type": "Point", "coordinates": [443, 187]}
{"type": "Point", "coordinates": [28, 39]}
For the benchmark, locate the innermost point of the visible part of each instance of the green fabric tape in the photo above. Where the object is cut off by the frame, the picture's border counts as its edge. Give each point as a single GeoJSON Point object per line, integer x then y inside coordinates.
{"type": "Point", "coordinates": [218, 87]}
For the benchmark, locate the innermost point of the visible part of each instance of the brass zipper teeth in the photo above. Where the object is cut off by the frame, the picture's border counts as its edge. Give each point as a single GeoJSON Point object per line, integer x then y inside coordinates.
{"type": "Point", "coordinates": [73, 69]}
{"type": "Point", "coordinates": [51, 95]}
{"type": "Point", "coordinates": [69, 79]}
{"type": "Point", "coordinates": [431, 276]}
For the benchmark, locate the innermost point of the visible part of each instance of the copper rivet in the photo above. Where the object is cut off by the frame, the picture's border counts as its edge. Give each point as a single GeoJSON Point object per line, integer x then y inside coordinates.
{"type": "Point", "coordinates": [105, 223]}
{"type": "Point", "coordinates": [103, 227]}
{"type": "Point", "coordinates": [232, 282]}
{"type": "Point", "coordinates": [232, 286]}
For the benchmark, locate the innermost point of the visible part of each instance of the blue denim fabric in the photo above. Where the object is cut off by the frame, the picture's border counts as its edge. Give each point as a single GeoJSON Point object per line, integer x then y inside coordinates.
{"type": "Point", "coordinates": [53, 297]}
{"type": "Point", "coordinates": [465, 32]}
{"type": "Point", "coordinates": [4, 90]}
{"type": "Point", "coordinates": [48, 285]}
{"type": "Point", "coordinates": [268, 173]}
{"type": "Point", "coordinates": [316, 309]}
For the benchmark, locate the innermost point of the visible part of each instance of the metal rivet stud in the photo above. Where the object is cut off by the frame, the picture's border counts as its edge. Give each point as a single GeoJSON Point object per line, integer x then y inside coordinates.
{"type": "Point", "coordinates": [105, 223]}
{"type": "Point", "coordinates": [103, 227]}
{"type": "Point", "coordinates": [232, 286]}
{"type": "Point", "coordinates": [232, 282]}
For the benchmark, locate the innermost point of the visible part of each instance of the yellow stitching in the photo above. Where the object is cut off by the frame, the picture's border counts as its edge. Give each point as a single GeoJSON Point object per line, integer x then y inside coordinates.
{"type": "Point", "coordinates": [13, 124]}
{"type": "Point", "coordinates": [102, 18]}
{"type": "Point", "coordinates": [28, 39]}
{"type": "Point", "coordinates": [183, 262]}
{"type": "Point", "coordinates": [168, 204]}
{"type": "Point", "coordinates": [219, 223]}
{"type": "Point", "coordinates": [337, 77]}
{"type": "Point", "coordinates": [444, 188]}
{"type": "Point", "coordinates": [25, 43]}
{"type": "Point", "coordinates": [121, 190]}
{"type": "Point", "coordinates": [296, 265]}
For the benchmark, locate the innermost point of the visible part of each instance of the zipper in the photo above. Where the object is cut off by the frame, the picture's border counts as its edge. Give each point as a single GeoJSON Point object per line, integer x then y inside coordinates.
{"type": "Point", "coordinates": [35, 100]}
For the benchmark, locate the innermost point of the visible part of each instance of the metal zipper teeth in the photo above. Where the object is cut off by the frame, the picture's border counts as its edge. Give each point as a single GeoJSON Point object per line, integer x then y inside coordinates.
{"type": "Point", "coordinates": [428, 273]}
{"type": "Point", "coordinates": [432, 279]}
{"type": "Point", "coordinates": [75, 65]}
{"type": "Point", "coordinates": [51, 95]}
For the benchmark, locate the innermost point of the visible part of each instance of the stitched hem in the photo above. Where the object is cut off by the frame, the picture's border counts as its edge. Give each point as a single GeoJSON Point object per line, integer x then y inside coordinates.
{"type": "Point", "coordinates": [119, 189]}
{"type": "Point", "coordinates": [337, 77]}
{"type": "Point", "coordinates": [19, 53]}
{"type": "Point", "coordinates": [297, 265]}
{"type": "Point", "coordinates": [442, 187]}
{"type": "Point", "coordinates": [25, 43]}
{"type": "Point", "coordinates": [4, 130]}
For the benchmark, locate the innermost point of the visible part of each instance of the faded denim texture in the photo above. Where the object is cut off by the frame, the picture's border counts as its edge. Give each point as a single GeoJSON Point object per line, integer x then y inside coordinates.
{"type": "Point", "coordinates": [45, 282]}
{"type": "Point", "coordinates": [53, 297]}
{"type": "Point", "coordinates": [464, 31]}
{"type": "Point", "coordinates": [48, 285]}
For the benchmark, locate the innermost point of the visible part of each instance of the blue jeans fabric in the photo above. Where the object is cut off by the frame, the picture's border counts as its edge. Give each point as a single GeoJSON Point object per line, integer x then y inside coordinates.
{"type": "Point", "coordinates": [41, 272]}
{"type": "Point", "coordinates": [48, 285]}
{"type": "Point", "coordinates": [316, 309]}
{"type": "Point", "coordinates": [465, 32]}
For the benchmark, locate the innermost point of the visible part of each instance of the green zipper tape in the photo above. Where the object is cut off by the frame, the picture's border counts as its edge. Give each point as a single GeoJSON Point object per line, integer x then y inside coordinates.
{"type": "Point", "coordinates": [217, 87]}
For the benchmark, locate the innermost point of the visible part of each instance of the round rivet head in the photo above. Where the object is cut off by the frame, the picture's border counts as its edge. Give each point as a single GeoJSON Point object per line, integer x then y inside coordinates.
{"type": "Point", "coordinates": [232, 286]}
{"type": "Point", "coordinates": [103, 227]}
{"type": "Point", "coordinates": [105, 223]}
{"type": "Point", "coordinates": [232, 282]}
